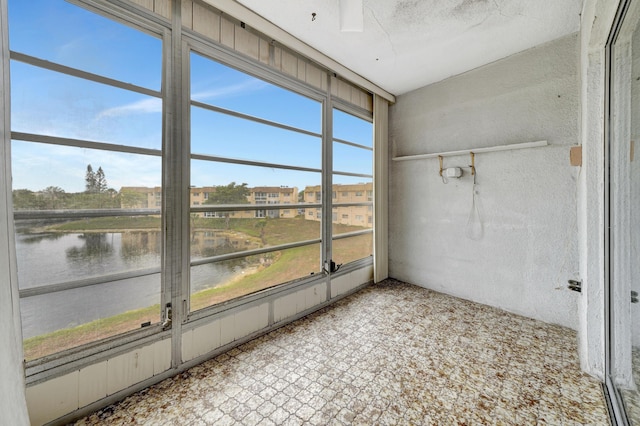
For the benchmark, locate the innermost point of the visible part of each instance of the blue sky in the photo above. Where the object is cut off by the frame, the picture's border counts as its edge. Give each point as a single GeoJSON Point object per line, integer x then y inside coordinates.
{"type": "Point", "coordinates": [50, 103]}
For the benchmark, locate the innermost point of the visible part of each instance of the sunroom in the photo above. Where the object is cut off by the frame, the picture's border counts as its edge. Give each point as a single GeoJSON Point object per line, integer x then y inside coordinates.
{"type": "Point", "coordinates": [185, 180]}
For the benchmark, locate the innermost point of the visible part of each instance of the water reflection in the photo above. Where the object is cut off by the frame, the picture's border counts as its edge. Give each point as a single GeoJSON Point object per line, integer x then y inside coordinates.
{"type": "Point", "coordinates": [137, 244]}
{"type": "Point", "coordinates": [216, 242]}
{"type": "Point", "coordinates": [36, 238]}
{"type": "Point", "coordinates": [96, 247]}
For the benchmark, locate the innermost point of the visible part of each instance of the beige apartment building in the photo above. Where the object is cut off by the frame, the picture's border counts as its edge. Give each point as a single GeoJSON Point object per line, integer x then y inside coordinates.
{"type": "Point", "coordinates": [138, 197]}
{"type": "Point", "coordinates": [344, 215]}
{"type": "Point", "coordinates": [273, 195]}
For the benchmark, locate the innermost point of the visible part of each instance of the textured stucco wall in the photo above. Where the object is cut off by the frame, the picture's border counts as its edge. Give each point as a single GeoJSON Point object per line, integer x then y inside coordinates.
{"type": "Point", "coordinates": [527, 198]}
{"type": "Point", "coordinates": [597, 18]}
{"type": "Point", "coordinates": [634, 190]}
{"type": "Point", "coordinates": [13, 407]}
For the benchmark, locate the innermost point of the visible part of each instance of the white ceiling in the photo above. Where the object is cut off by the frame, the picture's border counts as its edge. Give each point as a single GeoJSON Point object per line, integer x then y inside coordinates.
{"type": "Point", "coordinates": [407, 44]}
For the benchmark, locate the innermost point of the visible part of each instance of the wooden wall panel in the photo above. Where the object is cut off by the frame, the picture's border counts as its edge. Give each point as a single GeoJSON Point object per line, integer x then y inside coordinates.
{"type": "Point", "coordinates": [129, 368]}
{"type": "Point", "coordinates": [265, 49]}
{"type": "Point", "coordinates": [247, 43]}
{"type": "Point", "coordinates": [348, 92]}
{"type": "Point", "coordinates": [287, 306]}
{"type": "Point", "coordinates": [54, 398]}
{"type": "Point", "coordinates": [315, 76]}
{"type": "Point", "coordinates": [92, 383]}
{"type": "Point", "coordinates": [206, 22]}
{"type": "Point", "coordinates": [227, 33]}
{"type": "Point", "coordinates": [161, 356]}
{"type": "Point", "coordinates": [162, 8]}
{"type": "Point", "coordinates": [276, 60]}
{"type": "Point", "coordinates": [147, 4]}
{"type": "Point", "coordinates": [344, 90]}
{"type": "Point", "coordinates": [302, 71]}
{"type": "Point", "coordinates": [289, 64]}
{"type": "Point", "coordinates": [187, 14]}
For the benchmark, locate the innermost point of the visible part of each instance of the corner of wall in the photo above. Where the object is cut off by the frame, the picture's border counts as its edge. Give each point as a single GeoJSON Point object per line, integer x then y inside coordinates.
{"type": "Point", "coordinates": [597, 19]}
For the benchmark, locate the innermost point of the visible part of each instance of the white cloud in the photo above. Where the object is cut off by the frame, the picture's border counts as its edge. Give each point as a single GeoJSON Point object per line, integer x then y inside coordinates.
{"type": "Point", "coordinates": [144, 106]}
{"type": "Point", "coordinates": [246, 86]}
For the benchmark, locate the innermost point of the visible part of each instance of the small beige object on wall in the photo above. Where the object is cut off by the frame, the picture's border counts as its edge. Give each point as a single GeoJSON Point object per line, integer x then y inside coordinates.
{"type": "Point", "coordinates": [575, 155]}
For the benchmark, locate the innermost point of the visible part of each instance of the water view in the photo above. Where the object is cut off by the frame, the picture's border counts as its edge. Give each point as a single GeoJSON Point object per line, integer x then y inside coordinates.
{"type": "Point", "coordinates": [46, 257]}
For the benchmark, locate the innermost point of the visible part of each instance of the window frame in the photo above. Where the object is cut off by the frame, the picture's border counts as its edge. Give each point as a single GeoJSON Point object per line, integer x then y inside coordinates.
{"type": "Point", "coordinates": [195, 44]}
{"type": "Point", "coordinates": [40, 367]}
{"type": "Point", "coordinates": [175, 152]}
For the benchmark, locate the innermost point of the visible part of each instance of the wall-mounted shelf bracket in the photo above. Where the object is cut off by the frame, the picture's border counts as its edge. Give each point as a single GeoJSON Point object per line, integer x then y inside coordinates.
{"type": "Point", "coordinates": [473, 163]}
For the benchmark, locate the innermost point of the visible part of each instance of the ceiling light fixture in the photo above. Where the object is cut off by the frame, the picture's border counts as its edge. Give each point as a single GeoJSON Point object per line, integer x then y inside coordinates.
{"type": "Point", "coordinates": [351, 15]}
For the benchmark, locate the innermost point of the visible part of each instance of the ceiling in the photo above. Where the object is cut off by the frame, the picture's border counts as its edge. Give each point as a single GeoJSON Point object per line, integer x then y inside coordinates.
{"type": "Point", "coordinates": [408, 44]}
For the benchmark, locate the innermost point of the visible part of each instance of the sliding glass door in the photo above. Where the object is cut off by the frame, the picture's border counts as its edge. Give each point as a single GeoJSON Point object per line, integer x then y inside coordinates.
{"type": "Point", "coordinates": [624, 215]}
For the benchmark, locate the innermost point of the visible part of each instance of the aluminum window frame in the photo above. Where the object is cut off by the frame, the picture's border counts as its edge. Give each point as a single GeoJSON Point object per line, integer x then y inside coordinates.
{"type": "Point", "coordinates": [367, 116]}
{"type": "Point", "coordinates": [225, 56]}
{"type": "Point", "coordinates": [39, 369]}
{"type": "Point", "coordinates": [177, 43]}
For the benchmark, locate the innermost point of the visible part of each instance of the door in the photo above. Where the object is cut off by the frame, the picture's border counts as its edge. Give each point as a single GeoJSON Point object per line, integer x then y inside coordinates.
{"type": "Point", "coordinates": [624, 215]}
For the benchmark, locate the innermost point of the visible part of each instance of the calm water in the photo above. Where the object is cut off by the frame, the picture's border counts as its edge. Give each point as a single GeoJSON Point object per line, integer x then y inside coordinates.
{"type": "Point", "coordinates": [51, 258]}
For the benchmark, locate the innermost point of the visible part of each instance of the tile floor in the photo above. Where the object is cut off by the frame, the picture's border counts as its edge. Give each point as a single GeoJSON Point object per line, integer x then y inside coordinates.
{"type": "Point", "coordinates": [631, 397]}
{"type": "Point", "coordinates": [391, 354]}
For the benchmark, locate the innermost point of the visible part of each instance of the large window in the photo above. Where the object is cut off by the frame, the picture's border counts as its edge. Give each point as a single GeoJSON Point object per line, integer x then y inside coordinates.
{"type": "Point", "coordinates": [116, 164]}
{"type": "Point", "coordinates": [353, 186]}
{"type": "Point", "coordinates": [253, 144]}
{"type": "Point", "coordinates": [86, 160]}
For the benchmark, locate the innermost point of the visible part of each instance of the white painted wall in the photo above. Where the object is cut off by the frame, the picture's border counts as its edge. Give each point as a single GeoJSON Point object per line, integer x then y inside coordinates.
{"type": "Point", "coordinates": [528, 249]}
{"type": "Point", "coordinates": [597, 18]}
{"type": "Point", "coordinates": [634, 180]}
{"type": "Point", "coordinates": [12, 387]}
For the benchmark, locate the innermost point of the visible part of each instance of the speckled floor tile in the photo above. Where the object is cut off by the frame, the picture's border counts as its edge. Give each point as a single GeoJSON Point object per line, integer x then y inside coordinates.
{"type": "Point", "coordinates": [393, 353]}
{"type": "Point", "coordinates": [631, 397]}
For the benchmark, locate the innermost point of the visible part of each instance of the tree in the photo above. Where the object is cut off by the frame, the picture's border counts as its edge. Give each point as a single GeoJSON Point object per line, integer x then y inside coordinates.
{"type": "Point", "coordinates": [95, 182]}
{"type": "Point", "coordinates": [90, 180]}
{"type": "Point", "coordinates": [52, 195]}
{"type": "Point", "coordinates": [100, 181]}
{"type": "Point", "coordinates": [261, 224]}
{"type": "Point", "coordinates": [229, 194]}
{"type": "Point", "coordinates": [25, 199]}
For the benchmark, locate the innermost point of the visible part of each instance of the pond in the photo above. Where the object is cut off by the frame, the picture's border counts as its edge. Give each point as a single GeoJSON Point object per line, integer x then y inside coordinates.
{"type": "Point", "coordinates": [46, 258]}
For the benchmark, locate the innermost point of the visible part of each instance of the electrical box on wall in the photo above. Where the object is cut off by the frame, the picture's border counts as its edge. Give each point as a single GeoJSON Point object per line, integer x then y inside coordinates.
{"type": "Point", "coordinates": [453, 172]}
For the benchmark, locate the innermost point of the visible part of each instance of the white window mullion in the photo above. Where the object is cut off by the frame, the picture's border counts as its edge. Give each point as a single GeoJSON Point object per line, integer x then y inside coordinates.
{"type": "Point", "coordinates": [327, 183]}
{"type": "Point", "coordinates": [381, 189]}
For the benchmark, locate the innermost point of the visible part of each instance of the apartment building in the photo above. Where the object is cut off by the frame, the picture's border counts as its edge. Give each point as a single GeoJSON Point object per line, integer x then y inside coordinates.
{"type": "Point", "coordinates": [273, 195]}
{"type": "Point", "coordinates": [138, 197]}
{"type": "Point", "coordinates": [350, 215]}
{"type": "Point", "coordinates": [199, 196]}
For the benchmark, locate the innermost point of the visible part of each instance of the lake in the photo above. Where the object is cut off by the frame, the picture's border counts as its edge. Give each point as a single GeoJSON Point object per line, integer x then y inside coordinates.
{"type": "Point", "coordinates": [55, 257]}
